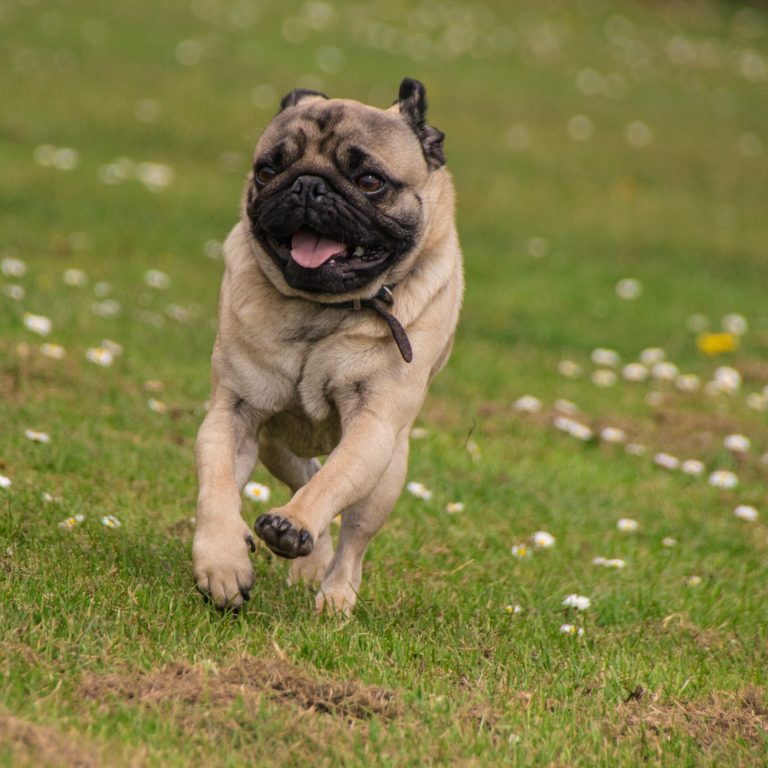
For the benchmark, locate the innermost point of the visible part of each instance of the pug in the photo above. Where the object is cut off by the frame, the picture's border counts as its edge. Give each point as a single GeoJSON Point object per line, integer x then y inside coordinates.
{"type": "Point", "coordinates": [338, 305]}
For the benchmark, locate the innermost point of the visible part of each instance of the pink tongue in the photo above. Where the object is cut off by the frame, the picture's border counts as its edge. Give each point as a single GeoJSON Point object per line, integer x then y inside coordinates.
{"type": "Point", "coordinates": [311, 250]}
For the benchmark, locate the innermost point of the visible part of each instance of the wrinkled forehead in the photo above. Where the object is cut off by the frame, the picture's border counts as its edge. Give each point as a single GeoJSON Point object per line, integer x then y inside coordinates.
{"type": "Point", "coordinates": [335, 128]}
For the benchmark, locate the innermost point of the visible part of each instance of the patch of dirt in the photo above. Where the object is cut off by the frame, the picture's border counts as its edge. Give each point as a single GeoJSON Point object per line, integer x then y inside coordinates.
{"type": "Point", "coordinates": [754, 372]}
{"type": "Point", "coordinates": [181, 529]}
{"type": "Point", "coordinates": [712, 722]}
{"type": "Point", "coordinates": [711, 638]}
{"type": "Point", "coordinates": [43, 745]}
{"type": "Point", "coordinates": [247, 679]}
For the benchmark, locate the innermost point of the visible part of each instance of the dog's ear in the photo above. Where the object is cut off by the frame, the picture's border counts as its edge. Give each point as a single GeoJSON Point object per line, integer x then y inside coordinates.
{"type": "Point", "coordinates": [412, 103]}
{"type": "Point", "coordinates": [297, 95]}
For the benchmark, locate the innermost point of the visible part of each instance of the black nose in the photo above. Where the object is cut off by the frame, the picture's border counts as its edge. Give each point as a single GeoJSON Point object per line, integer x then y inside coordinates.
{"type": "Point", "coordinates": [309, 189]}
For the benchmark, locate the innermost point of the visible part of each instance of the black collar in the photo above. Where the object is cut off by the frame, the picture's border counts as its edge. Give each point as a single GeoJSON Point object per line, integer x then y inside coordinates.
{"type": "Point", "coordinates": [379, 304]}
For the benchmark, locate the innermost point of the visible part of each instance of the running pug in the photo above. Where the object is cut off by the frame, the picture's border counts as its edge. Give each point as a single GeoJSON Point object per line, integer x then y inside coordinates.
{"type": "Point", "coordinates": [339, 303]}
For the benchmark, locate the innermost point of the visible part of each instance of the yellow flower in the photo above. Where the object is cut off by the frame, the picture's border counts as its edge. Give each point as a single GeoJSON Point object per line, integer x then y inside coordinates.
{"type": "Point", "coordinates": [713, 344]}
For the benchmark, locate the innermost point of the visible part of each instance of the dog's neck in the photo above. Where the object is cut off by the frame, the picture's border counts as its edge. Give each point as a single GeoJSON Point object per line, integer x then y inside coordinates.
{"type": "Point", "coordinates": [379, 304]}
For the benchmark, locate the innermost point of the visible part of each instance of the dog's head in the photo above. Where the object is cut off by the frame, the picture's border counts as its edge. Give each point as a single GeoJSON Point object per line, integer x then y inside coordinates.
{"type": "Point", "coordinates": [335, 198]}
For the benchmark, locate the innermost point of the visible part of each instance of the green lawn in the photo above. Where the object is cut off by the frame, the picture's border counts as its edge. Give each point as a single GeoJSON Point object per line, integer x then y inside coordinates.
{"type": "Point", "coordinates": [590, 142]}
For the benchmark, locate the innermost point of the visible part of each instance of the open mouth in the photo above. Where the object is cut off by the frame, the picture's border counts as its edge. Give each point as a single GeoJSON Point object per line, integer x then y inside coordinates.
{"type": "Point", "coordinates": [312, 250]}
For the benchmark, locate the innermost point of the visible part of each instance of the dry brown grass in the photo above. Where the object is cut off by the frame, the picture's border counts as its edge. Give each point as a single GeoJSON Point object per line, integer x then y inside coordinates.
{"type": "Point", "coordinates": [712, 723]}
{"type": "Point", "coordinates": [247, 679]}
{"type": "Point", "coordinates": [44, 745]}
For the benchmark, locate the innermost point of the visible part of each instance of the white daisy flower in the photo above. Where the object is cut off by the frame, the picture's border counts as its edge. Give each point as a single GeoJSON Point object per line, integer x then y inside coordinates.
{"type": "Point", "coordinates": [608, 358]}
{"type": "Point", "coordinates": [419, 490]}
{"type": "Point", "coordinates": [49, 498]}
{"type": "Point", "coordinates": [627, 525]}
{"type": "Point", "coordinates": [613, 435]}
{"type": "Point", "coordinates": [723, 478]}
{"type": "Point", "coordinates": [638, 134]}
{"type": "Point", "coordinates": [604, 377]}
{"type": "Point", "coordinates": [157, 406]}
{"type": "Point", "coordinates": [735, 324]}
{"type": "Point", "coordinates": [538, 247]}
{"type": "Point", "coordinates": [727, 379]}
{"type": "Point", "coordinates": [580, 128]}
{"type": "Point", "coordinates": [635, 449]}
{"type": "Point", "coordinates": [613, 562]}
{"type": "Point", "coordinates": [44, 154]}
{"type": "Point", "coordinates": [635, 372]}
{"type": "Point", "coordinates": [15, 292]}
{"type": "Point", "coordinates": [115, 348]}
{"type": "Point", "coordinates": [66, 158]}
{"type": "Point", "coordinates": [573, 428]}
{"type": "Point", "coordinates": [257, 492]}
{"type": "Point", "coordinates": [75, 277]}
{"type": "Point", "coordinates": [520, 551]}
{"type": "Point", "coordinates": [654, 399]}
{"type": "Point", "coordinates": [213, 249]}
{"type": "Point", "coordinates": [688, 382]}
{"type": "Point", "coordinates": [629, 288]}
{"type": "Point", "coordinates": [666, 461]}
{"type": "Point", "coordinates": [693, 581]}
{"type": "Point", "coordinates": [569, 369]}
{"type": "Point", "coordinates": [746, 512]}
{"type": "Point", "coordinates": [99, 356]}
{"type": "Point", "coordinates": [652, 355]}
{"type": "Point", "coordinates": [571, 629]}
{"type": "Point", "coordinates": [737, 443]}
{"type": "Point", "coordinates": [692, 467]}
{"type": "Point", "coordinates": [154, 176]}
{"type": "Point", "coordinates": [664, 371]}
{"type": "Point", "coordinates": [154, 278]}
{"type": "Point", "coordinates": [566, 407]}
{"type": "Point", "coordinates": [579, 602]}
{"type": "Point", "coordinates": [542, 540]}
{"type": "Point", "coordinates": [37, 437]}
{"type": "Point", "coordinates": [419, 433]}
{"type": "Point", "coordinates": [454, 507]}
{"type": "Point", "coordinates": [5, 482]}
{"type": "Point", "coordinates": [38, 324]}
{"type": "Point", "coordinates": [110, 521]}
{"type": "Point", "coordinates": [106, 308]}
{"type": "Point", "coordinates": [72, 522]}
{"type": "Point", "coordinates": [54, 351]}
{"type": "Point", "coordinates": [757, 401]}
{"type": "Point", "coordinates": [527, 404]}
{"type": "Point", "coordinates": [669, 542]}
{"type": "Point", "coordinates": [697, 323]}
{"type": "Point", "coordinates": [10, 266]}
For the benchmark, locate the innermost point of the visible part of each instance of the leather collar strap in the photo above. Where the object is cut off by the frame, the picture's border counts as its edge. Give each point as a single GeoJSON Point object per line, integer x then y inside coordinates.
{"type": "Point", "coordinates": [379, 304]}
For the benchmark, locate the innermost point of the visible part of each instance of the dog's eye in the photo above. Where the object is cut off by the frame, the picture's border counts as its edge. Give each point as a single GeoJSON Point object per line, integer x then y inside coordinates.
{"type": "Point", "coordinates": [265, 174]}
{"type": "Point", "coordinates": [370, 184]}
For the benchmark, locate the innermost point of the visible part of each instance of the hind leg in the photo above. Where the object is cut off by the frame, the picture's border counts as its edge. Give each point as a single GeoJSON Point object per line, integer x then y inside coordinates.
{"type": "Point", "coordinates": [296, 472]}
{"type": "Point", "coordinates": [339, 589]}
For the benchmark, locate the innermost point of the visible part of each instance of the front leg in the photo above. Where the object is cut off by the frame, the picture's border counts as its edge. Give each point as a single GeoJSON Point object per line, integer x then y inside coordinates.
{"type": "Point", "coordinates": [372, 419]}
{"type": "Point", "coordinates": [226, 454]}
{"type": "Point", "coordinates": [351, 472]}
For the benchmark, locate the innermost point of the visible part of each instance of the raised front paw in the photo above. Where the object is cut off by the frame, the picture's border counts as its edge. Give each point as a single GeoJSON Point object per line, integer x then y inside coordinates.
{"type": "Point", "coordinates": [222, 566]}
{"type": "Point", "coordinates": [283, 537]}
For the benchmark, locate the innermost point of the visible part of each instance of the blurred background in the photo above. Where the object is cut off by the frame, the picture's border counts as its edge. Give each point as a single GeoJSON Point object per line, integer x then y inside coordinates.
{"type": "Point", "coordinates": [609, 158]}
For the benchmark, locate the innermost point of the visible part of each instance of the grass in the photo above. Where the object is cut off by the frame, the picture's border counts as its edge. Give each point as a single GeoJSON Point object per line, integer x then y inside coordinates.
{"type": "Point", "coordinates": [108, 657]}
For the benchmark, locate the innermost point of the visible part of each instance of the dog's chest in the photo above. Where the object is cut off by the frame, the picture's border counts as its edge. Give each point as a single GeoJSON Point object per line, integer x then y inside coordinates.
{"type": "Point", "coordinates": [304, 436]}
